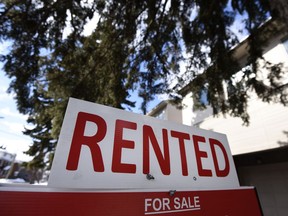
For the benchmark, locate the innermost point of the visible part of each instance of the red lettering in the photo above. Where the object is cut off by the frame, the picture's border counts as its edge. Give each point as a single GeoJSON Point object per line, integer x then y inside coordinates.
{"type": "Point", "coordinates": [200, 154]}
{"type": "Point", "coordinates": [225, 171]}
{"type": "Point", "coordinates": [163, 160]}
{"type": "Point", "coordinates": [181, 137]}
{"type": "Point", "coordinates": [91, 141]}
{"type": "Point", "coordinates": [119, 143]}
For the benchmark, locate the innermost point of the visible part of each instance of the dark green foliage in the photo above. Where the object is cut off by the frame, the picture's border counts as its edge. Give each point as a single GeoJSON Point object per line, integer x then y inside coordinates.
{"type": "Point", "coordinates": [135, 45]}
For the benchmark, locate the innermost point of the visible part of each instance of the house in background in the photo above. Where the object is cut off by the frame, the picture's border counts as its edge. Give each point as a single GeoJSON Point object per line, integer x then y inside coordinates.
{"type": "Point", "coordinates": [260, 150]}
{"type": "Point", "coordinates": [13, 171]}
{"type": "Point", "coordinates": [6, 163]}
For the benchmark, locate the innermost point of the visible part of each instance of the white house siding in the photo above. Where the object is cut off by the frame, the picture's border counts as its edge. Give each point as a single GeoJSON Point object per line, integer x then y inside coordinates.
{"type": "Point", "coordinates": [167, 111]}
{"type": "Point", "coordinates": [268, 128]}
{"type": "Point", "coordinates": [276, 53]}
{"type": "Point", "coordinates": [173, 114]}
{"type": "Point", "coordinates": [187, 111]}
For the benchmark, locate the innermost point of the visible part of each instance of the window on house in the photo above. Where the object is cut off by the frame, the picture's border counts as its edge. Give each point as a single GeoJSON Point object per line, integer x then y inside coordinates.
{"type": "Point", "coordinates": [204, 97]}
{"type": "Point", "coordinates": [285, 44]}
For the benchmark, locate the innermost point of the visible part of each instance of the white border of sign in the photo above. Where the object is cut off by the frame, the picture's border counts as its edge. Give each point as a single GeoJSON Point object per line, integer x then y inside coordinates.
{"type": "Point", "coordinates": [120, 140]}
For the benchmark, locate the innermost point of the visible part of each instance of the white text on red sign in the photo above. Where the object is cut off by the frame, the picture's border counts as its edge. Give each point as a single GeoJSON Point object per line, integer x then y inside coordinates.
{"type": "Point", "coordinates": [171, 205]}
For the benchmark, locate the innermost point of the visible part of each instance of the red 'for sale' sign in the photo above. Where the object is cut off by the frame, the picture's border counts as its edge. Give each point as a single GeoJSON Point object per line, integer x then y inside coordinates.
{"type": "Point", "coordinates": [236, 202]}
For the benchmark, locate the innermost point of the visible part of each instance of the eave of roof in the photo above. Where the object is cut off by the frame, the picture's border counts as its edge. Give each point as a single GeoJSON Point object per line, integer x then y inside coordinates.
{"type": "Point", "coordinates": [158, 107]}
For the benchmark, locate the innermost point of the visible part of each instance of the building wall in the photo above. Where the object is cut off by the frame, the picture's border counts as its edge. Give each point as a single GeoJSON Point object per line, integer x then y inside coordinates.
{"type": "Point", "coordinates": [173, 114]}
{"type": "Point", "coordinates": [187, 112]}
{"type": "Point", "coordinates": [268, 122]}
{"type": "Point", "coordinates": [271, 184]}
{"type": "Point", "coordinates": [267, 129]}
{"type": "Point", "coordinates": [166, 111]}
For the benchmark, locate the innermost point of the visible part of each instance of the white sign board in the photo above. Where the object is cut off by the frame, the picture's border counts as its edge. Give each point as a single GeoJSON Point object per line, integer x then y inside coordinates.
{"type": "Point", "coordinates": [106, 148]}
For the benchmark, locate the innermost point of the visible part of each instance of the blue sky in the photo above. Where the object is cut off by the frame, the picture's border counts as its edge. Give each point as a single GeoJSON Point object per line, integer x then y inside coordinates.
{"type": "Point", "coordinates": [12, 123]}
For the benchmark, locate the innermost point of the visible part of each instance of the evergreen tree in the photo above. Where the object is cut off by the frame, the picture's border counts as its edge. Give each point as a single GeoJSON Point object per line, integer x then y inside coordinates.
{"type": "Point", "coordinates": [135, 45]}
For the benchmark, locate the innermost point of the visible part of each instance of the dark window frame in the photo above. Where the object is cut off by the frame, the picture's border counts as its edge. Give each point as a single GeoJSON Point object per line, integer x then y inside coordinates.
{"type": "Point", "coordinates": [285, 43]}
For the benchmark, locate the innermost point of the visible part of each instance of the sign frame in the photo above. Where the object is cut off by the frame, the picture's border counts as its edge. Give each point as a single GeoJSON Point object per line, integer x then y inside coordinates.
{"type": "Point", "coordinates": [103, 147]}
